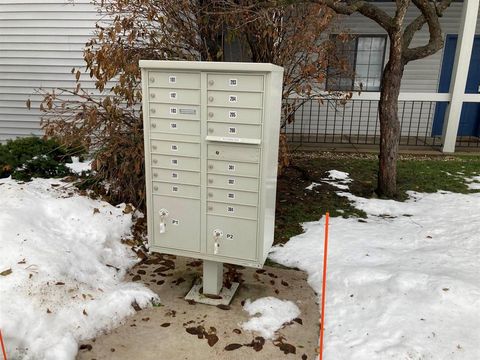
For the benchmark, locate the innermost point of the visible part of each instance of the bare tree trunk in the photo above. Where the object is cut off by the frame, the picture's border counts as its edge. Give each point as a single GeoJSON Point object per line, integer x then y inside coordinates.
{"type": "Point", "coordinates": [388, 115]}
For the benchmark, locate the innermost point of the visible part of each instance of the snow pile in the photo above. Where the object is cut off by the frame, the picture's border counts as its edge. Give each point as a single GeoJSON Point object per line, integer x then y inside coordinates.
{"type": "Point", "coordinates": [273, 314]}
{"type": "Point", "coordinates": [61, 266]}
{"type": "Point", "coordinates": [402, 284]}
{"type": "Point", "coordinates": [78, 167]}
{"type": "Point", "coordinates": [338, 179]}
{"type": "Point", "coordinates": [473, 183]}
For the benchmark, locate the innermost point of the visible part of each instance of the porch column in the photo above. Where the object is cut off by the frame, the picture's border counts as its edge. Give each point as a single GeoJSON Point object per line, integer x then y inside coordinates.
{"type": "Point", "coordinates": [463, 52]}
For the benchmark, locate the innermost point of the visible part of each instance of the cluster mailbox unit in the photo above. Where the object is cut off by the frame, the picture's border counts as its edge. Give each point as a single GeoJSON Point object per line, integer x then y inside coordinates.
{"type": "Point", "coordinates": [211, 148]}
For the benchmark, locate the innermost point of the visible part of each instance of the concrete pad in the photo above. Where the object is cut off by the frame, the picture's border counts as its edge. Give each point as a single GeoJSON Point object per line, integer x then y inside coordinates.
{"type": "Point", "coordinates": [161, 332]}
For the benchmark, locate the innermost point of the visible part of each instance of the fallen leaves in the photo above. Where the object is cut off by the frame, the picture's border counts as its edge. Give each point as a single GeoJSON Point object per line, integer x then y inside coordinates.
{"type": "Point", "coordinates": [164, 325]}
{"type": "Point", "coordinates": [223, 307]}
{"type": "Point", "coordinates": [6, 272]}
{"type": "Point", "coordinates": [86, 347]}
{"type": "Point", "coordinates": [234, 346]}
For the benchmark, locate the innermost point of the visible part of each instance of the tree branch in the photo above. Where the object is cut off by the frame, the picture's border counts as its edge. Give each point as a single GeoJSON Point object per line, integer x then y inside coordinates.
{"type": "Point", "coordinates": [429, 14]}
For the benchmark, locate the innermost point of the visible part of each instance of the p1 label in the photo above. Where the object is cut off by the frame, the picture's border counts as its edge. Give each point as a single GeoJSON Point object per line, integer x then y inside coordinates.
{"type": "Point", "coordinates": [175, 222]}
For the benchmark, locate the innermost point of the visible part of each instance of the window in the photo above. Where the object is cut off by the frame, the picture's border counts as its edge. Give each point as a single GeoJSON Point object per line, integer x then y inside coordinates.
{"type": "Point", "coordinates": [364, 59]}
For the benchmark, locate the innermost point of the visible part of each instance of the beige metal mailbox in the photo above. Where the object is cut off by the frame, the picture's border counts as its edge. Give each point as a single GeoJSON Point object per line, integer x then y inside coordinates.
{"type": "Point", "coordinates": [211, 147]}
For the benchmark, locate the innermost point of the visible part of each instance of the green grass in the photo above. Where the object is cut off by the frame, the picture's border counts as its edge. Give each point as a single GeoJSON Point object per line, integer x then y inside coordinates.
{"type": "Point", "coordinates": [296, 205]}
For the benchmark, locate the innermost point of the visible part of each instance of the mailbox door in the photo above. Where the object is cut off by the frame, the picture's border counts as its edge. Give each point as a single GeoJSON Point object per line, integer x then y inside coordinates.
{"type": "Point", "coordinates": [181, 225]}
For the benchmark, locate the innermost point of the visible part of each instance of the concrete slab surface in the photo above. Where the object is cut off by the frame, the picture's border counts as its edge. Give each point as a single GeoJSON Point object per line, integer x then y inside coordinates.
{"type": "Point", "coordinates": [185, 330]}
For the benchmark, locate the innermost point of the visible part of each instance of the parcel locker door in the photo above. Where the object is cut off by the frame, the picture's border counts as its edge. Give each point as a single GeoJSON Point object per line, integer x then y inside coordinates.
{"type": "Point", "coordinates": [238, 237]}
{"type": "Point", "coordinates": [180, 227]}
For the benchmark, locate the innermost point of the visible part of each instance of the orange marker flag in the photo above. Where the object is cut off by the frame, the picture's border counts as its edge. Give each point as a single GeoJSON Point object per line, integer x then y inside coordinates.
{"type": "Point", "coordinates": [324, 283]}
{"type": "Point", "coordinates": [3, 346]}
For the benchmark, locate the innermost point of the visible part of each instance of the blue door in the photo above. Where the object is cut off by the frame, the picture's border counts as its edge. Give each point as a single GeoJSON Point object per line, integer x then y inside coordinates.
{"type": "Point", "coordinates": [470, 116]}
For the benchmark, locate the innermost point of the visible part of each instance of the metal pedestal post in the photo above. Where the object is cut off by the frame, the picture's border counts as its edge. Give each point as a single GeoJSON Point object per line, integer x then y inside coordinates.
{"type": "Point", "coordinates": [212, 277]}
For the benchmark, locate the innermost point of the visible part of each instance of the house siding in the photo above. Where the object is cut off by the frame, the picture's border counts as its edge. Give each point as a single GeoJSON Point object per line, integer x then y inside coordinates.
{"type": "Point", "coordinates": [40, 42]}
{"type": "Point", "coordinates": [420, 76]}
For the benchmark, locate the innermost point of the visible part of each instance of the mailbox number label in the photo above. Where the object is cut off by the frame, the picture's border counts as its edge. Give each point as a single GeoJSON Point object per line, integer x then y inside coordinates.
{"type": "Point", "coordinates": [173, 95]}
{"type": "Point", "coordinates": [174, 175]}
{"type": "Point", "coordinates": [229, 236]}
{"type": "Point", "coordinates": [175, 222]}
{"type": "Point", "coordinates": [174, 161]}
{"type": "Point", "coordinates": [172, 79]}
{"type": "Point", "coordinates": [174, 147]}
{"type": "Point", "coordinates": [232, 130]}
{"type": "Point", "coordinates": [231, 195]}
{"type": "Point", "coordinates": [232, 82]}
{"type": "Point", "coordinates": [231, 181]}
{"type": "Point", "coordinates": [173, 110]}
{"type": "Point", "coordinates": [232, 98]}
{"type": "Point", "coordinates": [231, 167]}
{"type": "Point", "coordinates": [174, 188]}
{"type": "Point", "coordinates": [173, 126]}
{"type": "Point", "coordinates": [230, 209]}
{"type": "Point", "coordinates": [232, 114]}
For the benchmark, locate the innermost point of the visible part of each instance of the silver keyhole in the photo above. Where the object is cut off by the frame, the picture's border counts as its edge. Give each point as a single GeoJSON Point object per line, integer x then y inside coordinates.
{"type": "Point", "coordinates": [152, 80]}
{"type": "Point", "coordinates": [155, 188]}
{"type": "Point", "coordinates": [152, 96]}
{"type": "Point", "coordinates": [210, 195]}
{"type": "Point", "coordinates": [210, 130]}
{"type": "Point", "coordinates": [152, 111]}
{"type": "Point", "coordinates": [154, 125]}
{"type": "Point", "coordinates": [210, 98]}
{"type": "Point", "coordinates": [210, 181]}
{"type": "Point", "coordinates": [210, 167]}
{"type": "Point", "coordinates": [155, 161]}
{"type": "Point", "coordinates": [210, 208]}
{"type": "Point", "coordinates": [155, 175]}
{"type": "Point", "coordinates": [211, 82]}
{"type": "Point", "coordinates": [210, 114]}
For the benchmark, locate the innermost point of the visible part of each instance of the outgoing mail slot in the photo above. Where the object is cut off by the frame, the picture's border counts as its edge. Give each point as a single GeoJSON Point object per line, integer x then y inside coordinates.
{"type": "Point", "coordinates": [174, 111]}
{"type": "Point", "coordinates": [235, 82]}
{"type": "Point", "coordinates": [232, 196]}
{"type": "Point", "coordinates": [234, 152]}
{"type": "Point", "coordinates": [234, 115]}
{"type": "Point", "coordinates": [235, 99]}
{"type": "Point", "coordinates": [183, 80]}
{"type": "Point", "coordinates": [232, 210]}
{"type": "Point", "coordinates": [177, 148]}
{"type": "Point", "coordinates": [178, 176]}
{"type": "Point", "coordinates": [174, 96]}
{"type": "Point", "coordinates": [175, 189]}
{"type": "Point", "coordinates": [176, 162]}
{"type": "Point", "coordinates": [232, 168]}
{"type": "Point", "coordinates": [232, 130]}
{"type": "Point", "coordinates": [175, 126]}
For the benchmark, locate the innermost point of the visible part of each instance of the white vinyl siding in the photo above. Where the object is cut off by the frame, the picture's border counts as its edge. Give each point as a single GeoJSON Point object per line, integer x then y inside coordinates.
{"type": "Point", "coordinates": [40, 42]}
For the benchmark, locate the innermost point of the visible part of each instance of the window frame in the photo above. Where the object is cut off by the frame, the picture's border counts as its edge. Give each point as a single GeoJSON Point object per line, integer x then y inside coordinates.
{"type": "Point", "coordinates": [354, 65]}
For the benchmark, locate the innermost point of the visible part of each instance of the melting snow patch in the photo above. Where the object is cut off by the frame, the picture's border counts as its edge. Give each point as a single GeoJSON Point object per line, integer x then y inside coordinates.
{"type": "Point", "coordinates": [78, 167]}
{"type": "Point", "coordinates": [274, 313]}
{"type": "Point", "coordinates": [399, 286]}
{"type": "Point", "coordinates": [62, 264]}
{"type": "Point", "coordinates": [473, 183]}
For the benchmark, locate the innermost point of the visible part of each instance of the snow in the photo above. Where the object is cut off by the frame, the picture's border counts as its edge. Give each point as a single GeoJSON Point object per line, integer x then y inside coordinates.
{"type": "Point", "coordinates": [63, 251]}
{"type": "Point", "coordinates": [78, 167]}
{"type": "Point", "coordinates": [402, 284]}
{"type": "Point", "coordinates": [473, 183]}
{"type": "Point", "coordinates": [335, 178]}
{"type": "Point", "coordinates": [269, 315]}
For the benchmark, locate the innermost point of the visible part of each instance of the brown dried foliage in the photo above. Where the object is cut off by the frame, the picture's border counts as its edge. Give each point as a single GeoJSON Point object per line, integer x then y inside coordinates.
{"type": "Point", "coordinates": [110, 123]}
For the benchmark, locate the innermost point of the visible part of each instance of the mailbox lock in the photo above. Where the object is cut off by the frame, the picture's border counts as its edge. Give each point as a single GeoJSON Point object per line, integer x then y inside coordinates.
{"type": "Point", "coordinates": [210, 208]}
{"type": "Point", "coordinates": [217, 234]}
{"type": "Point", "coordinates": [155, 175]}
{"type": "Point", "coordinates": [210, 98]}
{"type": "Point", "coordinates": [210, 130]}
{"type": "Point", "coordinates": [152, 111]}
{"type": "Point", "coordinates": [210, 181]}
{"type": "Point", "coordinates": [155, 161]}
{"type": "Point", "coordinates": [217, 152]}
{"type": "Point", "coordinates": [210, 167]}
{"type": "Point", "coordinates": [154, 125]}
{"type": "Point", "coordinates": [152, 80]}
{"type": "Point", "coordinates": [211, 82]}
{"type": "Point", "coordinates": [163, 214]}
{"type": "Point", "coordinates": [152, 95]}
{"type": "Point", "coordinates": [155, 188]}
{"type": "Point", "coordinates": [210, 114]}
{"type": "Point", "coordinates": [210, 195]}
{"type": "Point", "coordinates": [154, 147]}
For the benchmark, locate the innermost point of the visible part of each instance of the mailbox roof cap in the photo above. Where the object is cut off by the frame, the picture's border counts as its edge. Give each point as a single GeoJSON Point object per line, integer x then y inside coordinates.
{"type": "Point", "coordinates": [210, 66]}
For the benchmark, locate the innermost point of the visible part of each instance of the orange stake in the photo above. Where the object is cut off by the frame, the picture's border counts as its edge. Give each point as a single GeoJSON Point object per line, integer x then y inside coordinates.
{"type": "Point", "coordinates": [3, 346]}
{"type": "Point", "coordinates": [324, 282]}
